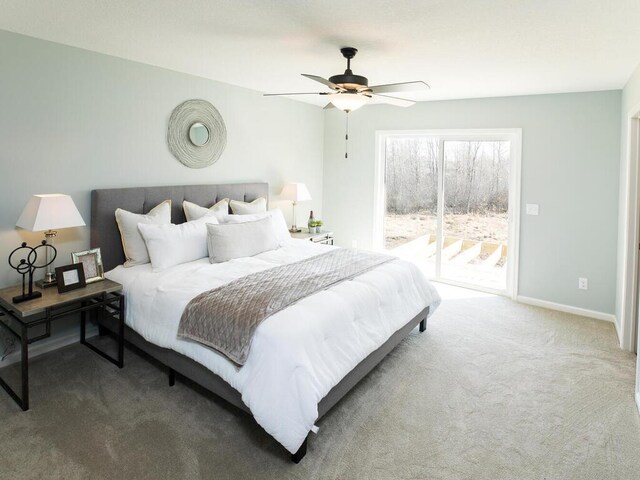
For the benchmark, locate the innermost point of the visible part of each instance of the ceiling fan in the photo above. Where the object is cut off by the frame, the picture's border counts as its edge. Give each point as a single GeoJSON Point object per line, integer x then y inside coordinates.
{"type": "Point", "coordinates": [350, 92]}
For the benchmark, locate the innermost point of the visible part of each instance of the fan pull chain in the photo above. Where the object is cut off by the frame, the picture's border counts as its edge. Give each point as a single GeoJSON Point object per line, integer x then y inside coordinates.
{"type": "Point", "coordinates": [346, 138]}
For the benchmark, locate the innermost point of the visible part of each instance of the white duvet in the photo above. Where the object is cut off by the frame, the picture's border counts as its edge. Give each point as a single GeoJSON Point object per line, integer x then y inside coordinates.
{"type": "Point", "coordinates": [298, 354]}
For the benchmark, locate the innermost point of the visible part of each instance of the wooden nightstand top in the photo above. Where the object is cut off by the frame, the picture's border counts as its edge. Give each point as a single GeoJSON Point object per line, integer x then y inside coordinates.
{"type": "Point", "coordinates": [51, 297]}
{"type": "Point", "coordinates": [325, 237]}
{"type": "Point", "coordinates": [308, 236]}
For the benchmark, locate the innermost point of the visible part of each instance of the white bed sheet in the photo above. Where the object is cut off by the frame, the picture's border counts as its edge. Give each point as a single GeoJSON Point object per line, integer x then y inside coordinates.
{"type": "Point", "coordinates": [298, 354]}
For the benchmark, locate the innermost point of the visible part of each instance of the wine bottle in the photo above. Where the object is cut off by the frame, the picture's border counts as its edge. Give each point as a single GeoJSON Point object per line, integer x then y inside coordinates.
{"type": "Point", "coordinates": [311, 222]}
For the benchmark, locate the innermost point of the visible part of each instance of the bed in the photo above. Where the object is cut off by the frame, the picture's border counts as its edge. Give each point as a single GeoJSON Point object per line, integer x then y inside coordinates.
{"type": "Point", "coordinates": [303, 359]}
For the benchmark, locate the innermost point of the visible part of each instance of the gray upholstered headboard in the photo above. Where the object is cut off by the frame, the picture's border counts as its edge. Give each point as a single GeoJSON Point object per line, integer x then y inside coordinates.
{"type": "Point", "coordinates": [104, 230]}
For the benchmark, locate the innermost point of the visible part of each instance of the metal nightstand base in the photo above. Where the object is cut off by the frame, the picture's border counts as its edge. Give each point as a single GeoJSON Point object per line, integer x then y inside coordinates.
{"type": "Point", "coordinates": [21, 400]}
{"type": "Point", "coordinates": [119, 361]}
{"type": "Point", "coordinates": [113, 301]}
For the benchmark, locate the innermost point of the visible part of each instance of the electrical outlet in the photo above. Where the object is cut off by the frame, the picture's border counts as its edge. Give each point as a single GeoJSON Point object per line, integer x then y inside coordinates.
{"type": "Point", "coordinates": [583, 283]}
{"type": "Point", "coordinates": [533, 209]}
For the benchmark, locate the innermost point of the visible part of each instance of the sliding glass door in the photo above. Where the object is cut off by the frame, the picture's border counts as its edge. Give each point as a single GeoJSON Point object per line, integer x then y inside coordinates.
{"type": "Point", "coordinates": [449, 205]}
{"type": "Point", "coordinates": [411, 219]}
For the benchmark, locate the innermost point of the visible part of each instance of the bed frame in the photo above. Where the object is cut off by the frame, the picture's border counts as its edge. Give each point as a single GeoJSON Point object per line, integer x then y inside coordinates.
{"type": "Point", "coordinates": [106, 236]}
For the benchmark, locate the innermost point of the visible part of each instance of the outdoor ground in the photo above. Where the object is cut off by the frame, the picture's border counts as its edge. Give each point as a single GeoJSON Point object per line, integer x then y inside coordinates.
{"type": "Point", "coordinates": [400, 229]}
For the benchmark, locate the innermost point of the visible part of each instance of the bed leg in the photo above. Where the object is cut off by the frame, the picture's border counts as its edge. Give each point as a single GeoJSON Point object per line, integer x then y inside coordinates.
{"type": "Point", "coordinates": [302, 451]}
{"type": "Point", "coordinates": [172, 377]}
{"type": "Point", "coordinates": [423, 325]}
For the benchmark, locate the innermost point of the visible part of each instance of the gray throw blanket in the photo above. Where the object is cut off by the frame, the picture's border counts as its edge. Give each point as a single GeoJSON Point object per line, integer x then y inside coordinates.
{"type": "Point", "coordinates": [226, 317]}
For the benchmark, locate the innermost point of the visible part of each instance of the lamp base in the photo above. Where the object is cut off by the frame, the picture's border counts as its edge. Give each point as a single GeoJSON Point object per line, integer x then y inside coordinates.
{"type": "Point", "coordinates": [49, 279]}
{"type": "Point", "coordinates": [26, 296]}
{"type": "Point", "coordinates": [294, 228]}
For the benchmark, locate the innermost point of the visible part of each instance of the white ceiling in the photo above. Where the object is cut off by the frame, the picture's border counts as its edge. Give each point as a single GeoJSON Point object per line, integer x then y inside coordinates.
{"type": "Point", "coordinates": [462, 48]}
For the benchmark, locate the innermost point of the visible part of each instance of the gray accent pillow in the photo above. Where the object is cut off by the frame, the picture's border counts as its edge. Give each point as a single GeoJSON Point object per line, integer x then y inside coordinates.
{"type": "Point", "coordinates": [279, 223]}
{"type": "Point", "coordinates": [227, 241]}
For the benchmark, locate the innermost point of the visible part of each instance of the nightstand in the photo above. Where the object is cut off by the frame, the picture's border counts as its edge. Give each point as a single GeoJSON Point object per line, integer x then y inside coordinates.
{"type": "Point", "coordinates": [103, 297]}
{"type": "Point", "coordinates": [324, 237]}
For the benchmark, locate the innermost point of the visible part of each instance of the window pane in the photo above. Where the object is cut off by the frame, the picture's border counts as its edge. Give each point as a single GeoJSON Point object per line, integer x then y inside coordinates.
{"type": "Point", "coordinates": [411, 178]}
{"type": "Point", "coordinates": [476, 203]}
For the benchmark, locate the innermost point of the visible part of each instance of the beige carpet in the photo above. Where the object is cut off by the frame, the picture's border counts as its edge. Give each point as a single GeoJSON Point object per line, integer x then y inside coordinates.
{"type": "Point", "coordinates": [493, 390]}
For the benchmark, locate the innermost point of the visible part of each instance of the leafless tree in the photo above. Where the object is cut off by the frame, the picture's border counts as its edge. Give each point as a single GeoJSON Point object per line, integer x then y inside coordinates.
{"type": "Point", "coordinates": [475, 176]}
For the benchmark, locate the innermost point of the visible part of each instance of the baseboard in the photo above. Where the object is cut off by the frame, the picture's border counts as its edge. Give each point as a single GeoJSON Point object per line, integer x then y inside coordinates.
{"type": "Point", "coordinates": [583, 312]}
{"type": "Point", "coordinates": [618, 334]}
{"type": "Point", "coordinates": [50, 344]}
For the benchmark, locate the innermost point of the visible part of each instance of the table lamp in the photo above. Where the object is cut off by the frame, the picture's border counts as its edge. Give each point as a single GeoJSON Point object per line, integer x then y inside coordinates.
{"type": "Point", "coordinates": [49, 213]}
{"type": "Point", "coordinates": [296, 192]}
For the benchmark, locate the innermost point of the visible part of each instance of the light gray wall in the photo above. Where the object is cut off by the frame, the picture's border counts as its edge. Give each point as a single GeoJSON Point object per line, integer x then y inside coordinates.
{"type": "Point", "coordinates": [570, 159]}
{"type": "Point", "coordinates": [73, 120]}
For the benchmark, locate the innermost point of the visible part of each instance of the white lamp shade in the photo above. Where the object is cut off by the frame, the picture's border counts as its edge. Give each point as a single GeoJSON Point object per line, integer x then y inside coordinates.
{"type": "Point", "coordinates": [50, 212]}
{"type": "Point", "coordinates": [296, 192]}
{"type": "Point", "coordinates": [348, 102]}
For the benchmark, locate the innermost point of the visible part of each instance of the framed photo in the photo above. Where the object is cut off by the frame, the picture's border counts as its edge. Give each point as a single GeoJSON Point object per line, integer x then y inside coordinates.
{"type": "Point", "coordinates": [91, 260]}
{"type": "Point", "coordinates": [70, 277]}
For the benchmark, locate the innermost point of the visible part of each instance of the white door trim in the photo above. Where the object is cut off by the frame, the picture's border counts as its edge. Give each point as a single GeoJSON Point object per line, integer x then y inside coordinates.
{"type": "Point", "coordinates": [628, 315]}
{"type": "Point", "coordinates": [440, 212]}
{"type": "Point", "coordinates": [628, 327]}
{"type": "Point", "coordinates": [513, 135]}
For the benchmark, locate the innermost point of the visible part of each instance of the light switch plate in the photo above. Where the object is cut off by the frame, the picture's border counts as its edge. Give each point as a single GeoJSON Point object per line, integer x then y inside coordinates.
{"type": "Point", "coordinates": [532, 209]}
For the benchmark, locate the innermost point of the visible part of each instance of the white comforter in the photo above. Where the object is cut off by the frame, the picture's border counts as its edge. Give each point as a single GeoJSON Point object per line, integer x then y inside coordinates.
{"type": "Point", "coordinates": [298, 354]}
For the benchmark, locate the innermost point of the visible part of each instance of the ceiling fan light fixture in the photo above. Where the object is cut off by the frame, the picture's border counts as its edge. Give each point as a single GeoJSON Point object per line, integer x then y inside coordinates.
{"type": "Point", "coordinates": [348, 102]}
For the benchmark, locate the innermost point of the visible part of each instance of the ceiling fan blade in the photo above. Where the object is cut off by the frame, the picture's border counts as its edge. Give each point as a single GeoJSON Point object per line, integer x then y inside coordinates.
{"type": "Point", "coordinates": [416, 86]}
{"type": "Point", "coordinates": [294, 93]}
{"type": "Point", "coordinates": [328, 106]}
{"type": "Point", "coordinates": [398, 102]}
{"type": "Point", "coordinates": [324, 81]}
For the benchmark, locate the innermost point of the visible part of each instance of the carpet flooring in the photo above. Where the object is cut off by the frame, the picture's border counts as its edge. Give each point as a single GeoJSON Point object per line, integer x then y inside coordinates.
{"type": "Point", "coordinates": [493, 390]}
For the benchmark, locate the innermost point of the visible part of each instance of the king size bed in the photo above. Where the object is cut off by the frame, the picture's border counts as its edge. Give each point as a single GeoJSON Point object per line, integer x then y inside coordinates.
{"type": "Point", "coordinates": [304, 357]}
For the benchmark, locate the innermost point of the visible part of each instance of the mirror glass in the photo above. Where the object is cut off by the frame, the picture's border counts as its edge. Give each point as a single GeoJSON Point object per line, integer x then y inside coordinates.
{"type": "Point", "coordinates": [198, 134]}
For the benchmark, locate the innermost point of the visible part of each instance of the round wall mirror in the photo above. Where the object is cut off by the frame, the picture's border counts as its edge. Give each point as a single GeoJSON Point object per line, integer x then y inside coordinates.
{"type": "Point", "coordinates": [199, 134]}
{"type": "Point", "coordinates": [196, 134]}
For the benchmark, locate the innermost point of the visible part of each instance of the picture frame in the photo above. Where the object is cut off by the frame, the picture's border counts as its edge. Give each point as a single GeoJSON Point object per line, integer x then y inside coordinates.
{"type": "Point", "coordinates": [70, 277]}
{"type": "Point", "coordinates": [92, 263]}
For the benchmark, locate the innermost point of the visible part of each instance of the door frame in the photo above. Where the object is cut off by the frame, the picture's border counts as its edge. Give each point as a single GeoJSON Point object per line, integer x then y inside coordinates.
{"type": "Point", "coordinates": [628, 321]}
{"type": "Point", "coordinates": [513, 135]}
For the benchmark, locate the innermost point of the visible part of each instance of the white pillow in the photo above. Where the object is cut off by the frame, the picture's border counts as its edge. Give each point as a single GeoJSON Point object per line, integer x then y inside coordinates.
{"type": "Point", "coordinates": [243, 208]}
{"type": "Point", "coordinates": [194, 212]}
{"type": "Point", "coordinates": [170, 245]}
{"type": "Point", "coordinates": [135, 250]}
{"type": "Point", "coordinates": [227, 241]}
{"type": "Point", "coordinates": [279, 223]}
